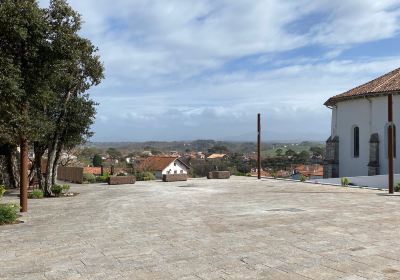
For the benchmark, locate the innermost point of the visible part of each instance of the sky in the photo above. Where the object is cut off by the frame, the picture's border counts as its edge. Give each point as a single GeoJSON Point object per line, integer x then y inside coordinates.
{"type": "Point", "coordinates": [203, 69]}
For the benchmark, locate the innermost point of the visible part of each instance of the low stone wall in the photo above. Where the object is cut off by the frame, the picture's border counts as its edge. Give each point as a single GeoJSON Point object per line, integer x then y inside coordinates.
{"type": "Point", "coordinates": [219, 175]}
{"type": "Point", "coordinates": [174, 177]}
{"type": "Point", "coordinates": [70, 174]}
{"type": "Point", "coordinates": [121, 180]}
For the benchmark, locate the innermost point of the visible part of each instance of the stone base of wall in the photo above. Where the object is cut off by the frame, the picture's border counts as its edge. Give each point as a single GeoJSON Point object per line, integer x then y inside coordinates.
{"type": "Point", "coordinates": [121, 180]}
{"type": "Point", "coordinates": [174, 177]}
{"type": "Point", "coordinates": [219, 175]}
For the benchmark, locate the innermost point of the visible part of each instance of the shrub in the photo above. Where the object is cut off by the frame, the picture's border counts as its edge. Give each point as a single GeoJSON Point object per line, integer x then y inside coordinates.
{"type": "Point", "coordinates": [145, 176]}
{"type": "Point", "coordinates": [2, 190]}
{"type": "Point", "coordinates": [89, 178]}
{"type": "Point", "coordinates": [56, 190]}
{"type": "Point", "coordinates": [8, 213]}
{"type": "Point", "coordinates": [274, 175]}
{"type": "Point", "coordinates": [397, 187]}
{"type": "Point", "coordinates": [122, 174]}
{"type": "Point", "coordinates": [303, 178]}
{"type": "Point", "coordinates": [36, 194]}
{"type": "Point", "coordinates": [65, 188]}
{"type": "Point", "coordinates": [345, 182]}
{"type": "Point", "coordinates": [103, 179]}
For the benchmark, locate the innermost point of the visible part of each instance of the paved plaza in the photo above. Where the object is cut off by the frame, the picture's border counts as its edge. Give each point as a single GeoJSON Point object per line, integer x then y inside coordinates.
{"type": "Point", "coordinates": [206, 229]}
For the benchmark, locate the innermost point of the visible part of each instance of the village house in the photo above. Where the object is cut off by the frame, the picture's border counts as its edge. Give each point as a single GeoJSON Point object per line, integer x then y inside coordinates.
{"type": "Point", "coordinates": [359, 129]}
{"type": "Point", "coordinates": [162, 165]}
{"type": "Point", "coordinates": [311, 171]}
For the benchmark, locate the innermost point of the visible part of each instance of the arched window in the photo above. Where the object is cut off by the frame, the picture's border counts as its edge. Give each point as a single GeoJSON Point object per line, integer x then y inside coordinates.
{"type": "Point", "coordinates": [394, 140]}
{"type": "Point", "coordinates": [356, 141]}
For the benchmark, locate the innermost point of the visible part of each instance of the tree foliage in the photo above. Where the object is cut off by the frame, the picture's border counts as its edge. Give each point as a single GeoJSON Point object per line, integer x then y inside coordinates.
{"type": "Point", "coordinates": [47, 68]}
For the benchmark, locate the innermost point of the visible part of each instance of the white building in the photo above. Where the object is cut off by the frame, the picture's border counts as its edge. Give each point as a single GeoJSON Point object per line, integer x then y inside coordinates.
{"type": "Point", "coordinates": [358, 142]}
{"type": "Point", "coordinates": [164, 165]}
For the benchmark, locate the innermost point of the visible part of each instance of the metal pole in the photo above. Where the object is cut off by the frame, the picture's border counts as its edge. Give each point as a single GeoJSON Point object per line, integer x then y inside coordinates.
{"type": "Point", "coordinates": [259, 145]}
{"type": "Point", "coordinates": [390, 143]}
{"type": "Point", "coordinates": [23, 187]}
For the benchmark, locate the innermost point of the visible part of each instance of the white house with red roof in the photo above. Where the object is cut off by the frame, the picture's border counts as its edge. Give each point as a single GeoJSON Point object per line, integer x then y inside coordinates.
{"type": "Point", "coordinates": [162, 165]}
{"type": "Point", "coordinates": [358, 142]}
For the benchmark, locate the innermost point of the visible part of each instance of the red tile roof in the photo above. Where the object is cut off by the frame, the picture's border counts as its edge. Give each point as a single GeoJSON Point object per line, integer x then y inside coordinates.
{"type": "Point", "coordinates": [388, 83]}
{"type": "Point", "coordinates": [158, 163]}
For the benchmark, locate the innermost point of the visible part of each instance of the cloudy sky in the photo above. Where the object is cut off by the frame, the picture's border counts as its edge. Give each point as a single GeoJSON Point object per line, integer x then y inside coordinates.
{"type": "Point", "coordinates": [202, 69]}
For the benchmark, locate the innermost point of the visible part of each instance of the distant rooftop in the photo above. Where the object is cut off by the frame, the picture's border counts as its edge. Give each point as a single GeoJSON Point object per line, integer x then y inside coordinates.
{"type": "Point", "coordinates": [388, 83]}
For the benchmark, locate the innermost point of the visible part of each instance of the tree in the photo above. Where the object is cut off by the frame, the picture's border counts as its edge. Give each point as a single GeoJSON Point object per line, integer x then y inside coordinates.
{"type": "Point", "coordinates": [317, 151]}
{"type": "Point", "coordinates": [97, 160]}
{"type": "Point", "coordinates": [23, 48]}
{"type": "Point", "coordinates": [303, 157]}
{"type": "Point", "coordinates": [114, 153]}
{"type": "Point", "coordinates": [75, 67]}
{"type": "Point", "coordinates": [46, 67]}
{"type": "Point", "coordinates": [290, 153]}
{"type": "Point", "coordinates": [279, 152]}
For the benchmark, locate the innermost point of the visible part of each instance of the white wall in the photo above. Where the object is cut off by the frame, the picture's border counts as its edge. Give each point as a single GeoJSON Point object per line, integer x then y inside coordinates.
{"type": "Point", "coordinates": [370, 118]}
{"type": "Point", "coordinates": [379, 182]}
{"type": "Point", "coordinates": [175, 166]}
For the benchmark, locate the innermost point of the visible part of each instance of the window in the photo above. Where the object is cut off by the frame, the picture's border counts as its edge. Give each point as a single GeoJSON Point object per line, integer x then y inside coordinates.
{"type": "Point", "coordinates": [356, 141]}
{"type": "Point", "coordinates": [174, 163]}
{"type": "Point", "coordinates": [181, 171]}
{"type": "Point", "coordinates": [176, 172]}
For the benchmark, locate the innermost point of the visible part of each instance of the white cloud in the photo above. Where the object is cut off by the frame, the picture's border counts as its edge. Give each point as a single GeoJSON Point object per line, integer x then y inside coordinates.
{"type": "Point", "coordinates": [166, 63]}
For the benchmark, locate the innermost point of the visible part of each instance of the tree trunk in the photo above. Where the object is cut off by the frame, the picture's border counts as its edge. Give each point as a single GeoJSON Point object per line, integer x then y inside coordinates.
{"type": "Point", "coordinates": [11, 163]}
{"type": "Point", "coordinates": [56, 163]}
{"type": "Point", "coordinates": [51, 156]}
{"type": "Point", "coordinates": [39, 152]}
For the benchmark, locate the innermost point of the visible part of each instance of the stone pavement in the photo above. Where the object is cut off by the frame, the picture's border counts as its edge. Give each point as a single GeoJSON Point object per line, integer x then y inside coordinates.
{"type": "Point", "coordinates": [206, 229]}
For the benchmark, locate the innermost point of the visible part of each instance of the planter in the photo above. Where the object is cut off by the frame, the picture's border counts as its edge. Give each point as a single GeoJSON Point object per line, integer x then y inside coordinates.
{"type": "Point", "coordinates": [121, 180]}
{"type": "Point", "coordinates": [174, 177]}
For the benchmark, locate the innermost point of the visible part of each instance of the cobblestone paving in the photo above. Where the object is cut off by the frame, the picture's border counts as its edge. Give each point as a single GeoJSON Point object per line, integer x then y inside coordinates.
{"type": "Point", "coordinates": [228, 229]}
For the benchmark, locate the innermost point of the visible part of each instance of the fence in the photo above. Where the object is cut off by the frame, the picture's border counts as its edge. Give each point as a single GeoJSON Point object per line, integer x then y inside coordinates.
{"type": "Point", "coordinates": [70, 174]}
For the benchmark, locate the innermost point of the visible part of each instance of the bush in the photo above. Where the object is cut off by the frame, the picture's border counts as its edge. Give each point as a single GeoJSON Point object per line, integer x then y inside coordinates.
{"type": "Point", "coordinates": [397, 187]}
{"type": "Point", "coordinates": [303, 178]}
{"type": "Point", "coordinates": [2, 190]}
{"type": "Point", "coordinates": [57, 190]}
{"type": "Point", "coordinates": [122, 174]}
{"type": "Point", "coordinates": [89, 178]}
{"type": "Point", "coordinates": [36, 194]}
{"type": "Point", "coordinates": [65, 188]}
{"type": "Point", "coordinates": [145, 176]}
{"type": "Point", "coordinates": [103, 179]}
{"type": "Point", "coordinates": [345, 182]}
{"type": "Point", "coordinates": [8, 213]}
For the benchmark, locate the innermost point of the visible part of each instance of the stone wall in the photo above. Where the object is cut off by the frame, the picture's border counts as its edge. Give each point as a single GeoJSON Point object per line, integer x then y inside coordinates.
{"type": "Point", "coordinates": [331, 162]}
{"type": "Point", "coordinates": [373, 164]}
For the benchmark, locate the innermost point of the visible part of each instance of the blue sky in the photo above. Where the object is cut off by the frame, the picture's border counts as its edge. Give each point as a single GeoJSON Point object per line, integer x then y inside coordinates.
{"type": "Point", "coordinates": [203, 69]}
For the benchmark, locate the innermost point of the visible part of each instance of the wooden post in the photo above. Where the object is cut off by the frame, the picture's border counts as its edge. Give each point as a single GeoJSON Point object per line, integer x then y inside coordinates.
{"type": "Point", "coordinates": [259, 146]}
{"type": "Point", "coordinates": [23, 188]}
{"type": "Point", "coordinates": [101, 170]}
{"type": "Point", "coordinates": [390, 144]}
{"type": "Point", "coordinates": [112, 170]}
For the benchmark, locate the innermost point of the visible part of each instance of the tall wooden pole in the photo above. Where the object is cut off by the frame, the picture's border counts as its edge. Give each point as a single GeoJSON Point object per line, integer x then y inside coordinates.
{"type": "Point", "coordinates": [23, 197]}
{"type": "Point", "coordinates": [390, 143]}
{"type": "Point", "coordinates": [259, 145]}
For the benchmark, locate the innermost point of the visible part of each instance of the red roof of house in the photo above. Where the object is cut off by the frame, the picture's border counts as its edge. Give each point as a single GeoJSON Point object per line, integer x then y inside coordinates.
{"type": "Point", "coordinates": [388, 83]}
{"type": "Point", "coordinates": [158, 163]}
